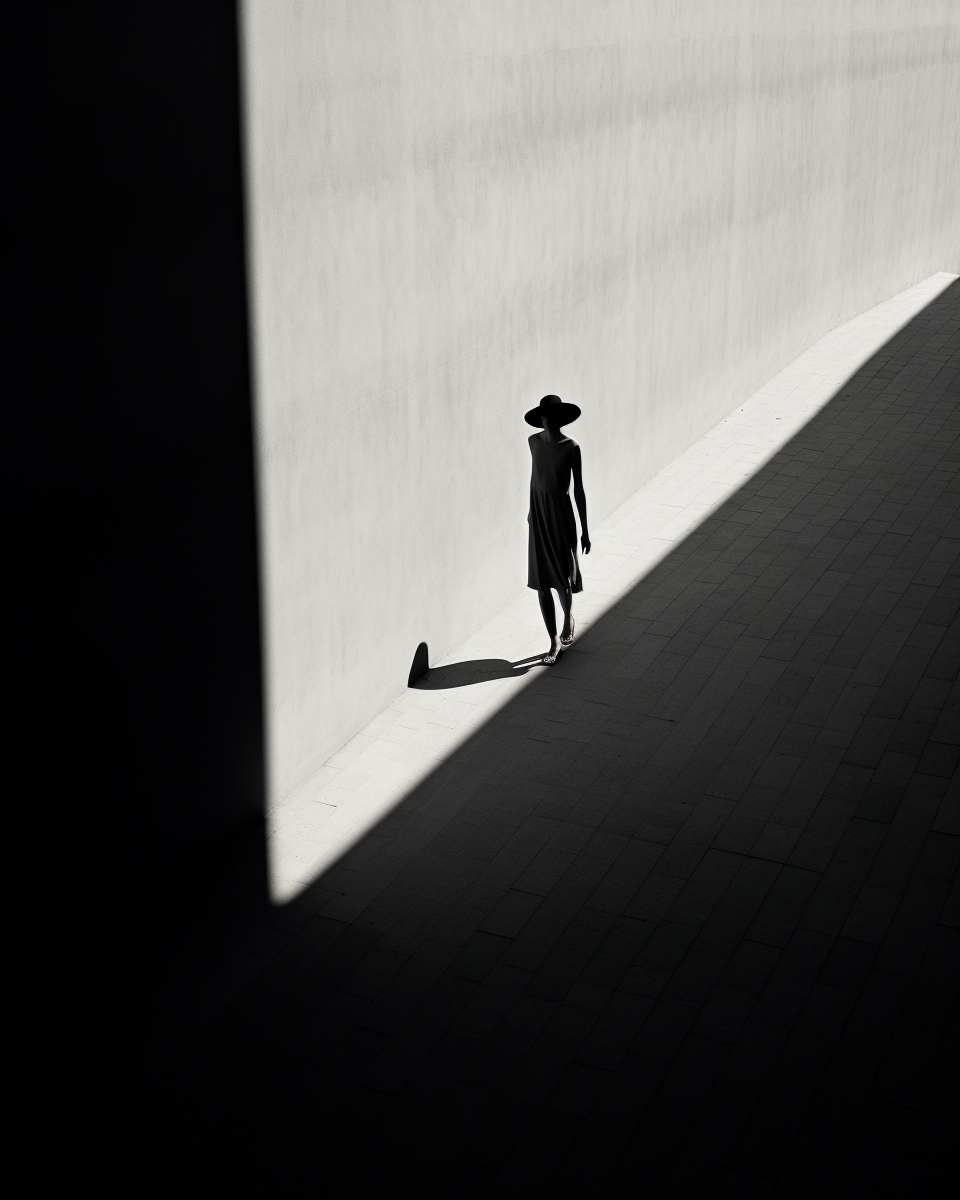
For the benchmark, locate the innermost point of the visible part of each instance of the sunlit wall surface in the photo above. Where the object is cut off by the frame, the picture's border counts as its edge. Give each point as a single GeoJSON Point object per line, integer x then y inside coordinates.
{"type": "Point", "coordinates": [645, 206]}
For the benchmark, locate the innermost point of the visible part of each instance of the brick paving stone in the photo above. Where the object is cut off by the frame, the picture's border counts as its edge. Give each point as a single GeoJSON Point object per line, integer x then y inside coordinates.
{"type": "Point", "coordinates": [683, 913]}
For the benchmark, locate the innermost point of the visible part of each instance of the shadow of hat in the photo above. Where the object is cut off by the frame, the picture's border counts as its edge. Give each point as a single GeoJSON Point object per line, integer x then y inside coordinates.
{"type": "Point", "coordinates": [555, 410]}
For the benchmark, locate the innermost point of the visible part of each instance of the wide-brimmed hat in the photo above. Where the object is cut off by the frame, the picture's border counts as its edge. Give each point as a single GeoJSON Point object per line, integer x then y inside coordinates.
{"type": "Point", "coordinates": [557, 412]}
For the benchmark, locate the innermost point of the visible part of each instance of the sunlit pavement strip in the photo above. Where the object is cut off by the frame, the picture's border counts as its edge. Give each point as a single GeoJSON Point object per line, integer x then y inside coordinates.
{"type": "Point", "coordinates": [311, 828]}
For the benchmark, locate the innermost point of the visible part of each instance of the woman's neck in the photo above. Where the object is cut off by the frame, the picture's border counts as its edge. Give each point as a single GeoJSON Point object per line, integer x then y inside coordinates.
{"type": "Point", "coordinates": [551, 435]}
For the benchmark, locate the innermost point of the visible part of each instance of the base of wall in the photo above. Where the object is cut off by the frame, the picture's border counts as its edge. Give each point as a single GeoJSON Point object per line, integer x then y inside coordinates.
{"type": "Point", "coordinates": [360, 784]}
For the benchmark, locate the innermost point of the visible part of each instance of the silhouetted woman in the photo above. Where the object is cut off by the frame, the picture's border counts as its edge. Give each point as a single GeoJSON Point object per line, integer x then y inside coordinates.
{"type": "Point", "coordinates": [552, 547]}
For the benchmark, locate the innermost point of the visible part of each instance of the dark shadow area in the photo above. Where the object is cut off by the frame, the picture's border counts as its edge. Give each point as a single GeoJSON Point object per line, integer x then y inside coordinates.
{"type": "Point", "coordinates": [131, 298]}
{"type": "Point", "coordinates": [476, 670]}
{"type": "Point", "coordinates": [681, 918]}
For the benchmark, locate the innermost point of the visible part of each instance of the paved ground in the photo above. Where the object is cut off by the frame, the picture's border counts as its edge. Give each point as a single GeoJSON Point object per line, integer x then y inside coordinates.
{"type": "Point", "coordinates": [311, 828]}
{"type": "Point", "coordinates": [678, 920]}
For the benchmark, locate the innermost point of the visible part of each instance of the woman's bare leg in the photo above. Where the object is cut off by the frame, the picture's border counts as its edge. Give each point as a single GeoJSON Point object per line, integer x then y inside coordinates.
{"type": "Point", "coordinates": [549, 614]}
{"type": "Point", "coordinates": [547, 610]}
{"type": "Point", "coordinates": [566, 603]}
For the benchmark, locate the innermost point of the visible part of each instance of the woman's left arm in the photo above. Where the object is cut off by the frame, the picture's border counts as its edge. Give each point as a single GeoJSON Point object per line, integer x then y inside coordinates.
{"type": "Point", "coordinates": [581, 498]}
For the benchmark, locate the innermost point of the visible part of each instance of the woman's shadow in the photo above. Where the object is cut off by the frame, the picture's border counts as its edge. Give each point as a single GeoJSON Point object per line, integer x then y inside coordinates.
{"type": "Point", "coordinates": [463, 674]}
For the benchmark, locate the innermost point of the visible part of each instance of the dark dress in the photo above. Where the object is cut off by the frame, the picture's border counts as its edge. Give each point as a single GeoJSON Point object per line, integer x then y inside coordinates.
{"type": "Point", "coordinates": [552, 546]}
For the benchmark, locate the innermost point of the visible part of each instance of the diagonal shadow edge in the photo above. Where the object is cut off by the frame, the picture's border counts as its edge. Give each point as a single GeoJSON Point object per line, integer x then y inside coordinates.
{"type": "Point", "coordinates": [603, 606]}
{"type": "Point", "coordinates": [358, 1031]}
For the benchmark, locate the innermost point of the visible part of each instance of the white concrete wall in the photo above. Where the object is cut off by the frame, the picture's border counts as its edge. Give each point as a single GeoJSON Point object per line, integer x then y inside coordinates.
{"type": "Point", "coordinates": [646, 206]}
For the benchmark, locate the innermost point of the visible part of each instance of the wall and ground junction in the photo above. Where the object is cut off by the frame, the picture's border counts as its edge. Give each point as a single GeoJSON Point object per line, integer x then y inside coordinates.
{"type": "Point", "coordinates": [647, 208]}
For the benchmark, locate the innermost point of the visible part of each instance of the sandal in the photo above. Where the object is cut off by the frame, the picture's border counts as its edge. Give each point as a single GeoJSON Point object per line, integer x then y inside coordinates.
{"type": "Point", "coordinates": [554, 655]}
{"type": "Point", "coordinates": [568, 640]}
